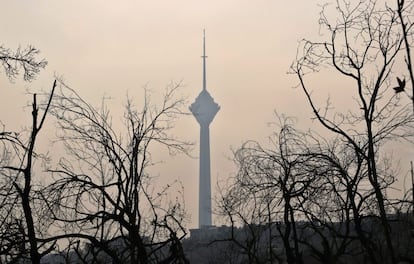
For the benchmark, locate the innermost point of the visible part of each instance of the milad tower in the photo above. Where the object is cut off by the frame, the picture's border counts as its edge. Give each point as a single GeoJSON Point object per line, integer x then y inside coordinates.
{"type": "Point", "coordinates": [204, 110]}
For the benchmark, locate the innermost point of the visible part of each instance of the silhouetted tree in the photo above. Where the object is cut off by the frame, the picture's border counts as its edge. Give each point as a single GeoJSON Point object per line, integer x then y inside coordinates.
{"type": "Point", "coordinates": [362, 46]}
{"type": "Point", "coordinates": [21, 60]}
{"type": "Point", "coordinates": [103, 191]}
{"type": "Point", "coordinates": [21, 220]}
{"type": "Point", "coordinates": [405, 10]}
{"type": "Point", "coordinates": [18, 230]}
{"type": "Point", "coordinates": [337, 203]}
{"type": "Point", "coordinates": [263, 197]}
{"type": "Point", "coordinates": [337, 186]}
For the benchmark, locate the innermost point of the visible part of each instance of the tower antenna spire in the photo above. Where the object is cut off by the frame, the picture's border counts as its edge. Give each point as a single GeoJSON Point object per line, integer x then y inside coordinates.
{"type": "Point", "coordinates": [204, 61]}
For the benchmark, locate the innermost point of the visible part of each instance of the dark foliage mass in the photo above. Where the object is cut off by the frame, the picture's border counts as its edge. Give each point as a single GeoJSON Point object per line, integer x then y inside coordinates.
{"type": "Point", "coordinates": [299, 198]}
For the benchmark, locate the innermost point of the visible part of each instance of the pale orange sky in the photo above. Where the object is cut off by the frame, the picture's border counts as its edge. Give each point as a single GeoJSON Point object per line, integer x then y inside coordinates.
{"type": "Point", "coordinates": [111, 48]}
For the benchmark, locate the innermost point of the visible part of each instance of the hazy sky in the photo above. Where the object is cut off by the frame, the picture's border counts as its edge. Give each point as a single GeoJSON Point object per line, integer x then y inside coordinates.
{"type": "Point", "coordinates": [111, 48]}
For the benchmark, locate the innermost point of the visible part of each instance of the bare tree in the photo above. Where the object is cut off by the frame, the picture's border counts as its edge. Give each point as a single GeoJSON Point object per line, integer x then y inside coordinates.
{"type": "Point", "coordinates": [362, 46]}
{"type": "Point", "coordinates": [19, 194]}
{"type": "Point", "coordinates": [405, 11]}
{"type": "Point", "coordinates": [338, 206]}
{"type": "Point", "coordinates": [21, 59]}
{"type": "Point", "coordinates": [263, 197]}
{"type": "Point", "coordinates": [103, 191]}
{"type": "Point", "coordinates": [17, 197]}
{"type": "Point", "coordinates": [307, 197]}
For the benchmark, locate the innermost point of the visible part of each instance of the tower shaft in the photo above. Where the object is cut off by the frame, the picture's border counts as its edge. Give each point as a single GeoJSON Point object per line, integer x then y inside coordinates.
{"type": "Point", "coordinates": [204, 201]}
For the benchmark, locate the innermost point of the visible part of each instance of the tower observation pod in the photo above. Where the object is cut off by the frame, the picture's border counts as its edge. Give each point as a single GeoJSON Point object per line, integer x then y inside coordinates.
{"type": "Point", "coordinates": [204, 110]}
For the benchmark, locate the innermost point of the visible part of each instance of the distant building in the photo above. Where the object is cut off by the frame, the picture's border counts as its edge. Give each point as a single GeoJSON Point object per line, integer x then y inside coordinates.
{"type": "Point", "coordinates": [204, 110]}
